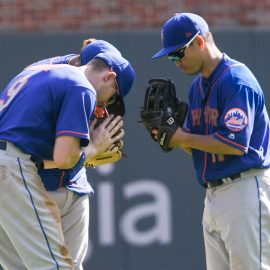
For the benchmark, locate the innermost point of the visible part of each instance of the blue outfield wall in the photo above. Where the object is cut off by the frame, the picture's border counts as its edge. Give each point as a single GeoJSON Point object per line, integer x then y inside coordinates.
{"type": "Point", "coordinates": [147, 209]}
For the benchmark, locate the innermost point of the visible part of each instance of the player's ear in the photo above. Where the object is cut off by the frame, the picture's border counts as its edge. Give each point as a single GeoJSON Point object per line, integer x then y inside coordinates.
{"type": "Point", "coordinates": [111, 75]}
{"type": "Point", "coordinates": [200, 41]}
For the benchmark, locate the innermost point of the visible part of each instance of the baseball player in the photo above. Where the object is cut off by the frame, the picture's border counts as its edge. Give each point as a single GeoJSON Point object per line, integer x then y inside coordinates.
{"type": "Point", "coordinates": [227, 132]}
{"type": "Point", "coordinates": [72, 195]}
{"type": "Point", "coordinates": [44, 121]}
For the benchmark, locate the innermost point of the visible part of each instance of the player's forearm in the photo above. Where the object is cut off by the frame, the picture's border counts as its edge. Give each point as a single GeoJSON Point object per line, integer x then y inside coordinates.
{"type": "Point", "coordinates": [66, 164]}
{"type": "Point", "coordinates": [67, 152]}
{"type": "Point", "coordinates": [206, 143]}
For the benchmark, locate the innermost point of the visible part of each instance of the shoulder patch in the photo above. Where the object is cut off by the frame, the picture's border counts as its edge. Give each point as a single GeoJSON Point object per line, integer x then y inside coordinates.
{"type": "Point", "coordinates": [236, 119]}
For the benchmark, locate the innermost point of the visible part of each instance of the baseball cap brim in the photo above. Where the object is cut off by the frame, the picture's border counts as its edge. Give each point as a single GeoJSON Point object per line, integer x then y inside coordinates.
{"type": "Point", "coordinates": [167, 50]}
{"type": "Point", "coordinates": [118, 107]}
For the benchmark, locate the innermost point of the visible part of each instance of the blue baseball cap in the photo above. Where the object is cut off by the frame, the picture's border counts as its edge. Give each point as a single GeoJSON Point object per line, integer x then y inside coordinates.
{"type": "Point", "coordinates": [179, 30]}
{"type": "Point", "coordinates": [94, 48]}
{"type": "Point", "coordinates": [125, 73]}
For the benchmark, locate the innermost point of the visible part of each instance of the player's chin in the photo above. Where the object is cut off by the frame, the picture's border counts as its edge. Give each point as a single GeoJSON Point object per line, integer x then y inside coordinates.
{"type": "Point", "coordinates": [190, 72]}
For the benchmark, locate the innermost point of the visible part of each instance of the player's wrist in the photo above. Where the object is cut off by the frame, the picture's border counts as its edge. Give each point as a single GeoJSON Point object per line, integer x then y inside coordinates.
{"type": "Point", "coordinates": [91, 150]}
{"type": "Point", "coordinates": [178, 139]}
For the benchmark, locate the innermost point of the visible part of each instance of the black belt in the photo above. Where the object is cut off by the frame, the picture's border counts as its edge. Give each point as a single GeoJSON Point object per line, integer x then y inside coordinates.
{"type": "Point", "coordinates": [38, 162]}
{"type": "Point", "coordinates": [219, 182]}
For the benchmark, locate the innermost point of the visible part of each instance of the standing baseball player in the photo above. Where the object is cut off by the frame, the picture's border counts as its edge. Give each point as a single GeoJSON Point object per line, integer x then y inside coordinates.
{"type": "Point", "coordinates": [72, 195]}
{"type": "Point", "coordinates": [44, 121]}
{"type": "Point", "coordinates": [227, 132]}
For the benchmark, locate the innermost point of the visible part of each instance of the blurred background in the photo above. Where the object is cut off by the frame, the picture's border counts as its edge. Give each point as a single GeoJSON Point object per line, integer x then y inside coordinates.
{"type": "Point", "coordinates": [146, 211]}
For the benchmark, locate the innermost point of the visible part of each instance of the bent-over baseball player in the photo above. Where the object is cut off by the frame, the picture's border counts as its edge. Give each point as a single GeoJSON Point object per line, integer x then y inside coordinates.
{"type": "Point", "coordinates": [72, 195]}
{"type": "Point", "coordinates": [44, 121]}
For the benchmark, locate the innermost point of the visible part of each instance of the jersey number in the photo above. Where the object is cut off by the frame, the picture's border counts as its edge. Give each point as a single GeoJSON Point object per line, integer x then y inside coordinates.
{"type": "Point", "coordinates": [16, 87]}
{"type": "Point", "coordinates": [13, 90]}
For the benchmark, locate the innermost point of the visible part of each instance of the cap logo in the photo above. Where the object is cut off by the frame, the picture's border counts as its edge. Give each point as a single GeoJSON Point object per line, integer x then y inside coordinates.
{"type": "Point", "coordinates": [236, 119]}
{"type": "Point", "coordinates": [188, 34]}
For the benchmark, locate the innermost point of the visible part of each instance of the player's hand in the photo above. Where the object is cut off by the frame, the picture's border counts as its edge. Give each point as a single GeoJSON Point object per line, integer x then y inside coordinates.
{"type": "Point", "coordinates": [103, 136]}
{"type": "Point", "coordinates": [154, 133]}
